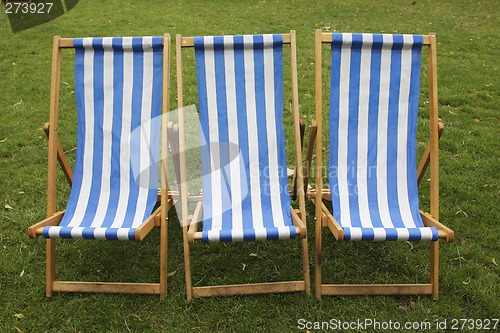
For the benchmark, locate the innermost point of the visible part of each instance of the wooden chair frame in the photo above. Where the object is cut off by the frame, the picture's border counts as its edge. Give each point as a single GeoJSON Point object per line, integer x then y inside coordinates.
{"type": "Point", "coordinates": [56, 153]}
{"type": "Point", "coordinates": [325, 219]}
{"type": "Point", "coordinates": [190, 233]}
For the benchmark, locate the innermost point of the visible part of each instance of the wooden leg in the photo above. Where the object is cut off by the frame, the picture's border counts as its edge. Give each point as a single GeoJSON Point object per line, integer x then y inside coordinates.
{"type": "Point", "coordinates": [302, 123]}
{"type": "Point", "coordinates": [163, 256]}
{"type": "Point", "coordinates": [317, 262]}
{"type": "Point", "coordinates": [309, 153]}
{"type": "Point", "coordinates": [50, 266]}
{"type": "Point", "coordinates": [187, 265]}
{"type": "Point", "coordinates": [305, 265]}
{"type": "Point", "coordinates": [435, 270]}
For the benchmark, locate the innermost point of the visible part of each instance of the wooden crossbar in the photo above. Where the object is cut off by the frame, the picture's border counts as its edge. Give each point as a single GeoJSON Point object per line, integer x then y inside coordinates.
{"type": "Point", "coordinates": [249, 289]}
{"type": "Point", "coordinates": [376, 289]}
{"type": "Point", "coordinates": [107, 287]}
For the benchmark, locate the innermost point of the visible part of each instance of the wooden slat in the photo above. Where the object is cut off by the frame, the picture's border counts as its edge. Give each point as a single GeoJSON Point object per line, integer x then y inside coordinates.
{"type": "Point", "coordinates": [166, 201]}
{"type": "Point", "coordinates": [376, 289]}
{"type": "Point", "coordinates": [434, 160]}
{"type": "Point", "coordinates": [298, 172]}
{"type": "Point", "coordinates": [192, 198]}
{"type": "Point", "coordinates": [189, 41]}
{"type": "Point", "coordinates": [37, 229]}
{"type": "Point", "coordinates": [302, 127]}
{"type": "Point", "coordinates": [319, 156]}
{"type": "Point", "coordinates": [249, 289]}
{"type": "Point", "coordinates": [426, 156]}
{"type": "Point", "coordinates": [309, 153]}
{"type": "Point", "coordinates": [194, 222]}
{"type": "Point", "coordinates": [326, 37]}
{"type": "Point", "coordinates": [182, 163]}
{"type": "Point", "coordinates": [68, 42]}
{"type": "Point", "coordinates": [325, 194]}
{"type": "Point", "coordinates": [107, 287]}
{"type": "Point", "coordinates": [61, 157]}
{"type": "Point", "coordinates": [52, 159]}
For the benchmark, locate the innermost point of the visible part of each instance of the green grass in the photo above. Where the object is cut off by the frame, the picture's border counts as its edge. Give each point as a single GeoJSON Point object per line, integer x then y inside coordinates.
{"type": "Point", "coordinates": [469, 89]}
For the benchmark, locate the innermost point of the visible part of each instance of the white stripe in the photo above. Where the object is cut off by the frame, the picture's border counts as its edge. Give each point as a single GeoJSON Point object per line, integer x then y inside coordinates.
{"type": "Point", "coordinates": [385, 78]}
{"type": "Point", "coordinates": [403, 233]}
{"type": "Point", "coordinates": [107, 128]}
{"type": "Point", "coordinates": [272, 142]}
{"type": "Point", "coordinates": [343, 126]}
{"type": "Point", "coordinates": [232, 119]}
{"type": "Point", "coordinates": [236, 234]}
{"type": "Point", "coordinates": [364, 98]}
{"type": "Point", "coordinates": [145, 135]}
{"type": "Point", "coordinates": [128, 65]}
{"type": "Point", "coordinates": [122, 234]}
{"type": "Point", "coordinates": [253, 146]}
{"type": "Point", "coordinates": [77, 232]}
{"type": "Point", "coordinates": [100, 233]}
{"type": "Point", "coordinates": [88, 154]}
{"type": "Point", "coordinates": [402, 168]}
{"type": "Point", "coordinates": [213, 127]}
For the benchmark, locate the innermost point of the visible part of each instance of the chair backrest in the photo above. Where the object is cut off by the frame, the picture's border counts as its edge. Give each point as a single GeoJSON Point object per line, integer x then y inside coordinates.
{"type": "Point", "coordinates": [118, 88]}
{"type": "Point", "coordinates": [375, 82]}
{"type": "Point", "coordinates": [240, 88]}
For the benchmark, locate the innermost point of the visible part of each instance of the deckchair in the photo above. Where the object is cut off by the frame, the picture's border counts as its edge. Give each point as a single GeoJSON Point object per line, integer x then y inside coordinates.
{"type": "Point", "coordinates": [372, 169]}
{"type": "Point", "coordinates": [241, 97]}
{"type": "Point", "coordinates": [114, 188]}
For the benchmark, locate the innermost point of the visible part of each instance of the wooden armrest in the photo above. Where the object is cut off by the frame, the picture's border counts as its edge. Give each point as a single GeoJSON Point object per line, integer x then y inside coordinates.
{"type": "Point", "coordinates": [334, 226]}
{"type": "Point", "coordinates": [147, 225]}
{"type": "Point", "coordinates": [444, 231]}
{"type": "Point", "coordinates": [195, 219]}
{"type": "Point", "coordinates": [299, 225]}
{"type": "Point", "coordinates": [37, 229]}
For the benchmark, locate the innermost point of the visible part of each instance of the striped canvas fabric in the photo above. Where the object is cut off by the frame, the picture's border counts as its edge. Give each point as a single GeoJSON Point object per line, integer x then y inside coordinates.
{"type": "Point", "coordinates": [240, 88]}
{"type": "Point", "coordinates": [118, 88]}
{"type": "Point", "coordinates": [375, 82]}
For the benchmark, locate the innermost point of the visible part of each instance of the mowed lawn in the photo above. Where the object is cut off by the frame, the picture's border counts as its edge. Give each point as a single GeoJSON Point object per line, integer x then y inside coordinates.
{"type": "Point", "coordinates": [468, 52]}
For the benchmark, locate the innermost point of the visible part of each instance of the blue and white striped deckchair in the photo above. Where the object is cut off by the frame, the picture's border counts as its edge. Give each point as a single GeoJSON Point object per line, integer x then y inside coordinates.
{"type": "Point", "coordinates": [245, 188]}
{"type": "Point", "coordinates": [374, 91]}
{"type": "Point", "coordinates": [118, 91]}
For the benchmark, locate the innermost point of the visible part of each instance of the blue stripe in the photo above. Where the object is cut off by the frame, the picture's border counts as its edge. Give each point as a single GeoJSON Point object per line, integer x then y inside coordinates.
{"type": "Point", "coordinates": [334, 121]}
{"type": "Point", "coordinates": [223, 139]}
{"type": "Point", "coordinates": [280, 130]}
{"type": "Point", "coordinates": [412, 130]}
{"type": "Point", "coordinates": [352, 135]}
{"type": "Point", "coordinates": [260, 103]}
{"type": "Point", "coordinates": [373, 130]}
{"type": "Point", "coordinates": [204, 133]}
{"type": "Point", "coordinates": [80, 105]}
{"type": "Point", "coordinates": [135, 146]}
{"type": "Point", "coordinates": [116, 131]}
{"type": "Point", "coordinates": [154, 146]}
{"type": "Point", "coordinates": [392, 133]}
{"type": "Point", "coordinates": [241, 107]}
{"type": "Point", "coordinates": [98, 104]}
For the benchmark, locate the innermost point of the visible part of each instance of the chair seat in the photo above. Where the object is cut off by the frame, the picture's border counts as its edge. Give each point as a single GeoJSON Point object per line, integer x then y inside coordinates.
{"type": "Point", "coordinates": [89, 233]}
{"type": "Point", "coordinates": [391, 234]}
{"type": "Point", "coordinates": [249, 234]}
